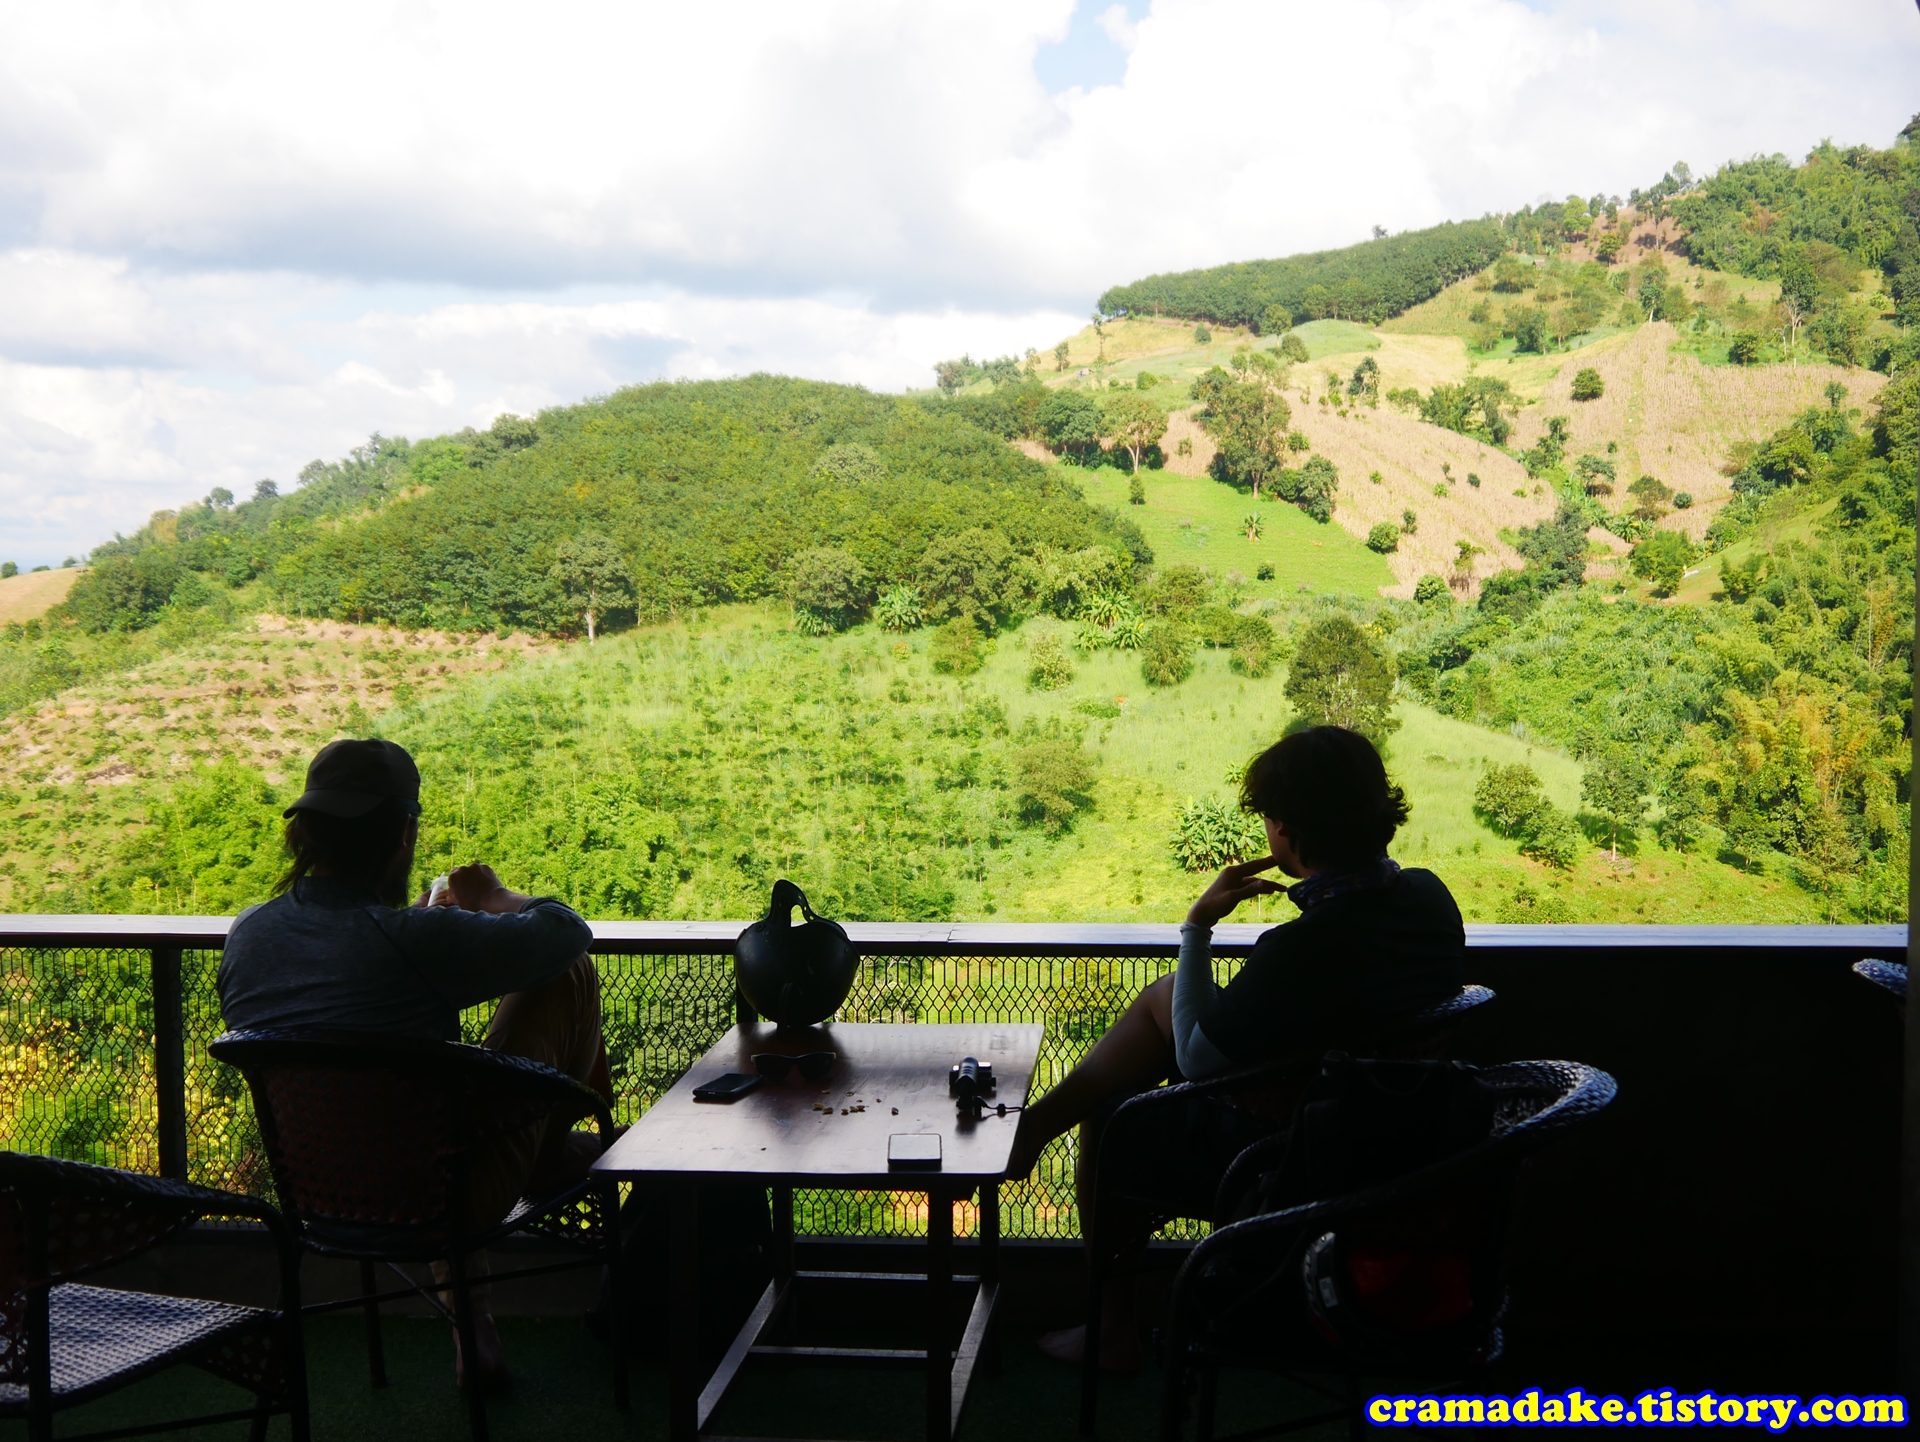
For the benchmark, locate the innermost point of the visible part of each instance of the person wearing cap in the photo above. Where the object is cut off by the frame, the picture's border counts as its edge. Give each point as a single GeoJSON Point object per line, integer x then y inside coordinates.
{"type": "Point", "coordinates": [339, 947]}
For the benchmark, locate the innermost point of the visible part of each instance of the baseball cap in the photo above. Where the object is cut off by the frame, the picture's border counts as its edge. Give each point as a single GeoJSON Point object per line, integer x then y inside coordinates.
{"type": "Point", "coordinates": [350, 778]}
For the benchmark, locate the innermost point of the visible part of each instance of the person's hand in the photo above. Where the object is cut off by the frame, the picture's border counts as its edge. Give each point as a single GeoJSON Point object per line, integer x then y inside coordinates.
{"type": "Point", "coordinates": [1231, 887]}
{"type": "Point", "coordinates": [478, 888]}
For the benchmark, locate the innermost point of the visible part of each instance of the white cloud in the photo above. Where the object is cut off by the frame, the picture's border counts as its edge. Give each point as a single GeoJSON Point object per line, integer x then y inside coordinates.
{"type": "Point", "coordinates": [236, 236]}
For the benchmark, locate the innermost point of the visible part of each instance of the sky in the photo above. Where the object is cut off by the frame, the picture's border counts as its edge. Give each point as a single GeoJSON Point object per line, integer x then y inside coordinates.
{"type": "Point", "coordinates": [238, 237]}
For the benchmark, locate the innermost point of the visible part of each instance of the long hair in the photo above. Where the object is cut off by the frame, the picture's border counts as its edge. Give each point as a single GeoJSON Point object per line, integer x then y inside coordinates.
{"type": "Point", "coordinates": [371, 849]}
{"type": "Point", "coordinates": [1330, 788]}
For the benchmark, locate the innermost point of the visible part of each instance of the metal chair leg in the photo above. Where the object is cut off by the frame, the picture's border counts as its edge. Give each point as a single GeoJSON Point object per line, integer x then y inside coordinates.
{"type": "Point", "coordinates": [370, 1315]}
{"type": "Point", "coordinates": [469, 1347]}
{"type": "Point", "coordinates": [1096, 1310]}
{"type": "Point", "coordinates": [1207, 1381]}
{"type": "Point", "coordinates": [617, 1297]}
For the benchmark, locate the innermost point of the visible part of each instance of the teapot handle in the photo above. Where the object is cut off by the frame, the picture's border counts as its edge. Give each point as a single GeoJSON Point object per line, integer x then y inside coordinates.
{"type": "Point", "coordinates": [786, 896]}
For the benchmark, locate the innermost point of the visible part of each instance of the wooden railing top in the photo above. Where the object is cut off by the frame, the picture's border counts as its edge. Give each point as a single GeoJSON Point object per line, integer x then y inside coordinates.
{"type": "Point", "coordinates": [196, 933]}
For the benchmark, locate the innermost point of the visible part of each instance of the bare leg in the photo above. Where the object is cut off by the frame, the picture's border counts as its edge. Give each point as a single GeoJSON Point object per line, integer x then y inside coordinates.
{"type": "Point", "coordinates": [1135, 1053]}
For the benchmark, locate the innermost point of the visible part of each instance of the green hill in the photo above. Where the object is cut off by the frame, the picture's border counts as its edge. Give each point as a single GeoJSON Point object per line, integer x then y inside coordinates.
{"type": "Point", "coordinates": [1370, 281]}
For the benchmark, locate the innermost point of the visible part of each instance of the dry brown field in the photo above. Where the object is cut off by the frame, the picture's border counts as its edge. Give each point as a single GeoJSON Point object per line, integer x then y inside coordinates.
{"type": "Point", "coordinates": [35, 593]}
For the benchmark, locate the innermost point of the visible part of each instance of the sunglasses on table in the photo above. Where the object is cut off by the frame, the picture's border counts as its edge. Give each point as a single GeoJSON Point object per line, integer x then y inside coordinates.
{"type": "Point", "coordinates": [776, 1066]}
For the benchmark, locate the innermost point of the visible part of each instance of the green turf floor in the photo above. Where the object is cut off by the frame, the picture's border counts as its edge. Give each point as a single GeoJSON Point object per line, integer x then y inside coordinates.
{"type": "Point", "coordinates": [563, 1390]}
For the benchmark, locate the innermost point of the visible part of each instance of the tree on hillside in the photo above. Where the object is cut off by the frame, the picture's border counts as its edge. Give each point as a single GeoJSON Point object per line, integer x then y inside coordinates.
{"type": "Point", "coordinates": [220, 498]}
{"type": "Point", "coordinates": [1663, 559]}
{"type": "Point", "coordinates": [849, 465]}
{"type": "Point", "coordinates": [1365, 385]}
{"type": "Point", "coordinates": [1508, 797]}
{"type": "Point", "coordinates": [968, 574]}
{"type": "Point", "coordinates": [1587, 385]}
{"type": "Point", "coordinates": [593, 576]}
{"type": "Point", "coordinates": [1616, 785]}
{"type": "Point", "coordinates": [829, 590]}
{"type": "Point", "coordinates": [1071, 421]}
{"type": "Point", "coordinates": [1248, 420]}
{"type": "Point", "coordinates": [1311, 488]}
{"type": "Point", "coordinates": [1135, 423]}
{"type": "Point", "coordinates": [1060, 356]}
{"type": "Point", "coordinates": [1463, 562]}
{"type": "Point", "coordinates": [1338, 678]}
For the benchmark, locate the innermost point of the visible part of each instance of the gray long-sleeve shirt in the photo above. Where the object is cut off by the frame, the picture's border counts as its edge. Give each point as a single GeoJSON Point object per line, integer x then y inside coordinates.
{"type": "Point", "coordinates": [328, 953]}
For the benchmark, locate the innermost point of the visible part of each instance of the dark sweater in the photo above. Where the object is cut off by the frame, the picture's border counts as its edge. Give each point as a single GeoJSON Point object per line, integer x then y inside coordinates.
{"type": "Point", "coordinates": [1350, 962]}
{"type": "Point", "coordinates": [328, 953]}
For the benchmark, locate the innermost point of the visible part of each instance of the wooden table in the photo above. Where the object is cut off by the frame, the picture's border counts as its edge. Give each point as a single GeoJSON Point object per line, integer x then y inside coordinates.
{"type": "Point", "coordinates": [832, 1134]}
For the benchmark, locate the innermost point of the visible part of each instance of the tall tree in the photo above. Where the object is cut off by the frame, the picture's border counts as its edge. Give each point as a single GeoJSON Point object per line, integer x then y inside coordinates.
{"type": "Point", "coordinates": [1248, 419]}
{"type": "Point", "coordinates": [1616, 785]}
{"type": "Point", "coordinates": [1134, 423]}
{"type": "Point", "coordinates": [594, 576]}
{"type": "Point", "coordinates": [1338, 678]}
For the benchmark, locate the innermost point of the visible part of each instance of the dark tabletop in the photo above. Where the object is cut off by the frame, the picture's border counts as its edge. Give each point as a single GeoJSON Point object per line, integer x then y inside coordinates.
{"type": "Point", "coordinates": [834, 1132]}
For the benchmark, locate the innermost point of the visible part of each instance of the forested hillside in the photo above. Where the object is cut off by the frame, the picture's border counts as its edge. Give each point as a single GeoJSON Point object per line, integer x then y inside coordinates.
{"type": "Point", "coordinates": [1369, 281]}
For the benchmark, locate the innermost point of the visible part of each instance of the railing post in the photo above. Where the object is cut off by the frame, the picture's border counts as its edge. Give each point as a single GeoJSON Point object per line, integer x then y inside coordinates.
{"type": "Point", "coordinates": [170, 1062]}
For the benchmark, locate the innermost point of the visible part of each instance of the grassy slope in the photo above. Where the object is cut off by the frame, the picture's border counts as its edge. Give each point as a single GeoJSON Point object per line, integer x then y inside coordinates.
{"type": "Point", "coordinates": [35, 593]}
{"type": "Point", "coordinates": [78, 772]}
{"type": "Point", "coordinates": [1165, 748]}
{"type": "Point", "coordinates": [1196, 519]}
{"type": "Point", "coordinates": [1668, 411]}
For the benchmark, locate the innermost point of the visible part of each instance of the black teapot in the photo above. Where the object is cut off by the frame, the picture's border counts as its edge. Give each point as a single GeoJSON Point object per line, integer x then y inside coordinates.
{"type": "Point", "coordinates": [794, 975]}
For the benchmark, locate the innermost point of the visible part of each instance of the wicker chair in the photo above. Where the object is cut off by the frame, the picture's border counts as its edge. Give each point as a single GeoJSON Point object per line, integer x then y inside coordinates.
{"type": "Point", "coordinates": [1889, 976]}
{"type": "Point", "coordinates": [1241, 1108]}
{"type": "Point", "coordinates": [1241, 1297]}
{"type": "Point", "coordinates": [63, 1343]}
{"type": "Point", "coordinates": [372, 1140]}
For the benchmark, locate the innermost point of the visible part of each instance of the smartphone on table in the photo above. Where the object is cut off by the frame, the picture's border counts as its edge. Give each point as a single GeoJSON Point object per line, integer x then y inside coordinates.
{"type": "Point", "coordinates": [731, 1087]}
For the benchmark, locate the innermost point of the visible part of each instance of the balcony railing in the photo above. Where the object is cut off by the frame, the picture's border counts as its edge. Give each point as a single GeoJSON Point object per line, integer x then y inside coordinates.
{"type": "Point", "coordinates": [105, 1020]}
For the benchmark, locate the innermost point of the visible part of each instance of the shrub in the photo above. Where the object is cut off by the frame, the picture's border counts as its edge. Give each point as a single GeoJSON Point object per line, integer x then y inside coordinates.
{"type": "Point", "coordinates": [1409, 523]}
{"type": "Point", "coordinates": [1473, 480]}
{"type": "Point", "coordinates": [1136, 490]}
{"type": "Point", "coordinates": [1552, 837]}
{"type": "Point", "coordinates": [898, 609]}
{"type": "Point", "coordinates": [1374, 476]}
{"type": "Point", "coordinates": [1416, 671]}
{"type": "Point", "coordinates": [1255, 646]}
{"type": "Point", "coordinates": [1587, 385]}
{"type": "Point", "coordinates": [1744, 348]}
{"type": "Point", "coordinates": [1051, 669]}
{"type": "Point", "coordinates": [1056, 782]}
{"type": "Point", "coordinates": [1263, 571]}
{"type": "Point", "coordinates": [1529, 906]}
{"type": "Point", "coordinates": [1146, 381]}
{"type": "Point", "coordinates": [1663, 559]}
{"type": "Point", "coordinates": [1292, 348]}
{"type": "Point", "coordinates": [1202, 336]}
{"type": "Point", "coordinates": [958, 648]}
{"type": "Point", "coordinates": [1384, 538]}
{"type": "Point", "coordinates": [1683, 500]}
{"type": "Point", "coordinates": [1208, 835]}
{"type": "Point", "coordinates": [1166, 658]}
{"type": "Point", "coordinates": [1430, 588]}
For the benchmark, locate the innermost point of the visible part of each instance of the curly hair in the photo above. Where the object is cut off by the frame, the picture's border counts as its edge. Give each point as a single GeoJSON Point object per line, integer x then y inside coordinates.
{"type": "Point", "coordinates": [1330, 789]}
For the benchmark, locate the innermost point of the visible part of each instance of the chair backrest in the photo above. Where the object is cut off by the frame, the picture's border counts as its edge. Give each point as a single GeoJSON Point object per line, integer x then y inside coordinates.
{"type": "Point", "coordinates": [371, 1138]}
{"type": "Point", "coordinates": [1417, 1262]}
{"type": "Point", "coordinates": [1272, 1088]}
{"type": "Point", "coordinates": [1887, 975]}
{"type": "Point", "coordinates": [61, 1220]}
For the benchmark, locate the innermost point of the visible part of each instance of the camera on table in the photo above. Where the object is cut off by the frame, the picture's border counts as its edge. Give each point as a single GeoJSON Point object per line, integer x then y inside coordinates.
{"type": "Point", "coordinates": [970, 1082]}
